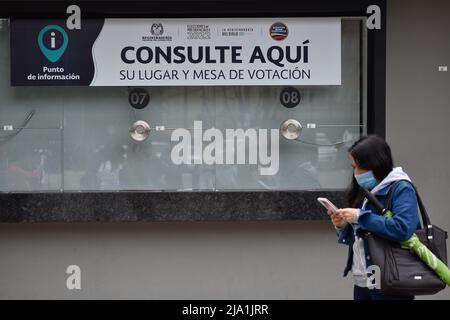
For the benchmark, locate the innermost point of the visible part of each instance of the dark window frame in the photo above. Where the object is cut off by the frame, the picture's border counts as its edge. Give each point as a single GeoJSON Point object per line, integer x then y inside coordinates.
{"type": "Point", "coordinates": [195, 206]}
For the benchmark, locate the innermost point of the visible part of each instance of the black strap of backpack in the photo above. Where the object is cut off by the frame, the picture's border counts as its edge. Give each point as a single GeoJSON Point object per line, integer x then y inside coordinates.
{"type": "Point", "coordinates": [426, 222]}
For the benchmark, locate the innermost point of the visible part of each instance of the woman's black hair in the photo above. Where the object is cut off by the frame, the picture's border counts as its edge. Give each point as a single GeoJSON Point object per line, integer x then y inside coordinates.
{"type": "Point", "coordinates": [370, 153]}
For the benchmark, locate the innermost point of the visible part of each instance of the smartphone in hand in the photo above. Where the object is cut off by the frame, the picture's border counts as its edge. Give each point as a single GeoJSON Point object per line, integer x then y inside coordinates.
{"type": "Point", "coordinates": [327, 204]}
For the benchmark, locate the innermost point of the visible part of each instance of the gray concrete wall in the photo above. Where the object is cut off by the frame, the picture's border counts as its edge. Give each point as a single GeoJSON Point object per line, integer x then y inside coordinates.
{"type": "Point", "coordinates": [273, 260]}
{"type": "Point", "coordinates": [198, 260]}
{"type": "Point", "coordinates": [418, 99]}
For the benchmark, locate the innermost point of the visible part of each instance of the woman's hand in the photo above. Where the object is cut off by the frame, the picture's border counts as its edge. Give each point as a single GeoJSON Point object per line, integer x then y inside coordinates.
{"type": "Point", "coordinates": [336, 219]}
{"type": "Point", "coordinates": [347, 214]}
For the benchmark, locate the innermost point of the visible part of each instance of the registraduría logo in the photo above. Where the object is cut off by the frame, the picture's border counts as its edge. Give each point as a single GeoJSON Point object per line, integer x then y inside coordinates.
{"type": "Point", "coordinates": [157, 33]}
{"type": "Point", "coordinates": [157, 29]}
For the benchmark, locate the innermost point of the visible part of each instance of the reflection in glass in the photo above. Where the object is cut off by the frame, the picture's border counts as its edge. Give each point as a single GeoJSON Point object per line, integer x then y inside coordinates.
{"type": "Point", "coordinates": [78, 137]}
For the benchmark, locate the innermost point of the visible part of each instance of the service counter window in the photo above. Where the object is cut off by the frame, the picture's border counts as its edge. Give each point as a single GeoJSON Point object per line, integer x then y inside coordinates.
{"type": "Point", "coordinates": [78, 138]}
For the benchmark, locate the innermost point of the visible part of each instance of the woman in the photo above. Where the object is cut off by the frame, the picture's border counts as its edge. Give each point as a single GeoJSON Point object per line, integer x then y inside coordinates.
{"type": "Point", "coordinates": [373, 169]}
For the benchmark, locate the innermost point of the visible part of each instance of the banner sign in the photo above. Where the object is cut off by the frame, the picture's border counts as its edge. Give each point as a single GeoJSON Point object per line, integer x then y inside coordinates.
{"type": "Point", "coordinates": [177, 52]}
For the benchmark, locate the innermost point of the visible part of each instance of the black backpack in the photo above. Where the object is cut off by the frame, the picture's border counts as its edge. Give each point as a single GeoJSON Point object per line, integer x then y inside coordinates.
{"type": "Point", "coordinates": [402, 271]}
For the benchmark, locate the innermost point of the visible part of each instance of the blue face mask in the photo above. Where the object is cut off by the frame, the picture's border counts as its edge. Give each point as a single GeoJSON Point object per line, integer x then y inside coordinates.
{"type": "Point", "coordinates": [366, 180]}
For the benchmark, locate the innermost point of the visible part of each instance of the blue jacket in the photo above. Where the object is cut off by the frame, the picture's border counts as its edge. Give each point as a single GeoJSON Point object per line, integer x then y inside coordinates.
{"type": "Point", "coordinates": [401, 226]}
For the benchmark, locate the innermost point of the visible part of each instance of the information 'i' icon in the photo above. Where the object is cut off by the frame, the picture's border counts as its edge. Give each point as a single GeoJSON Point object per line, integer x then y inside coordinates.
{"type": "Point", "coordinates": [53, 53]}
{"type": "Point", "coordinates": [52, 40]}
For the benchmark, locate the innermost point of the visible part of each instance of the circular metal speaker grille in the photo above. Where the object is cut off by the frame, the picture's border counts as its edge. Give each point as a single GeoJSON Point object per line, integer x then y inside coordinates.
{"type": "Point", "coordinates": [291, 129]}
{"type": "Point", "coordinates": [139, 131]}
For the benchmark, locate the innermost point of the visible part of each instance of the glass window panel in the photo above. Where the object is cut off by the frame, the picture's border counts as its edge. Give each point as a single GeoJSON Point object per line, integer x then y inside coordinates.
{"type": "Point", "coordinates": [336, 111]}
{"type": "Point", "coordinates": [83, 132]}
{"type": "Point", "coordinates": [31, 160]}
